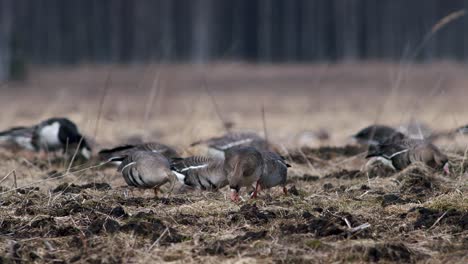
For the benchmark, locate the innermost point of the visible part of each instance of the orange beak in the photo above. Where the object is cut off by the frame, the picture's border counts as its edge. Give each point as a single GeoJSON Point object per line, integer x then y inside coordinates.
{"type": "Point", "coordinates": [234, 196]}
{"type": "Point", "coordinates": [447, 168]}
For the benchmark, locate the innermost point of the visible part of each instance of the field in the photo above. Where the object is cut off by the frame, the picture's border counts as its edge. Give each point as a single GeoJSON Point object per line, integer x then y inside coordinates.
{"type": "Point", "coordinates": [52, 211]}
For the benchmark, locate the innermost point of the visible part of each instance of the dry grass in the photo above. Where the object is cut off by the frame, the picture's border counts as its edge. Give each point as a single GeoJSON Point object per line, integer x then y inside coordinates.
{"type": "Point", "coordinates": [414, 216]}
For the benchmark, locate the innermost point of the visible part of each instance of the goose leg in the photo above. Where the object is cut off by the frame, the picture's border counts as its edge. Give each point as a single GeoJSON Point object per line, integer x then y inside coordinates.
{"type": "Point", "coordinates": [285, 190]}
{"type": "Point", "coordinates": [156, 191]}
{"type": "Point", "coordinates": [255, 193]}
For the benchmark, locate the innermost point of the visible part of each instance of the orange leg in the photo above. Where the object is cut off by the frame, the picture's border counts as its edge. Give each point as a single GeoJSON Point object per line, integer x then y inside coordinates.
{"type": "Point", "coordinates": [156, 192]}
{"type": "Point", "coordinates": [285, 190]}
{"type": "Point", "coordinates": [257, 189]}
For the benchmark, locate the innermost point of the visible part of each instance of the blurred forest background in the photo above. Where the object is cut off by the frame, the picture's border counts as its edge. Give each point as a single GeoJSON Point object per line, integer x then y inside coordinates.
{"type": "Point", "coordinates": [57, 32]}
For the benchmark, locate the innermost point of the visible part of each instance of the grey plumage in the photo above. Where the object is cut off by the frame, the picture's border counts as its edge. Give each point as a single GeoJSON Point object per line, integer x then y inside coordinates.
{"type": "Point", "coordinates": [403, 151]}
{"type": "Point", "coordinates": [219, 145]}
{"type": "Point", "coordinates": [199, 172]}
{"type": "Point", "coordinates": [120, 152]}
{"type": "Point", "coordinates": [245, 166]}
{"type": "Point", "coordinates": [145, 170]}
{"type": "Point", "coordinates": [375, 134]}
{"type": "Point", "coordinates": [275, 170]}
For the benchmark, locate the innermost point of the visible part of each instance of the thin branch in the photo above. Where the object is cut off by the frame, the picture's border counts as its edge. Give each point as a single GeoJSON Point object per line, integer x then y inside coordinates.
{"type": "Point", "coordinates": [215, 104]}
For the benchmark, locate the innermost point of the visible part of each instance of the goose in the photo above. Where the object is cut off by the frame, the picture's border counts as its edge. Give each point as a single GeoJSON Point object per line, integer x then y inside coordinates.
{"type": "Point", "coordinates": [146, 170]}
{"type": "Point", "coordinates": [218, 145]}
{"type": "Point", "coordinates": [375, 134]}
{"type": "Point", "coordinates": [50, 135]}
{"type": "Point", "coordinates": [117, 153]}
{"type": "Point", "coordinates": [200, 172]}
{"type": "Point", "coordinates": [402, 151]}
{"type": "Point", "coordinates": [245, 166]}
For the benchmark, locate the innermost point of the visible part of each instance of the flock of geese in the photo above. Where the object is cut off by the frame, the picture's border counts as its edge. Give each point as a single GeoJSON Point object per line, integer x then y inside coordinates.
{"type": "Point", "coordinates": [235, 159]}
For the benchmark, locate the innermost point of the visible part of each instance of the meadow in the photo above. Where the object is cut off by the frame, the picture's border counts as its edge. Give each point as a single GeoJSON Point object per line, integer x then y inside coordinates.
{"type": "Point", "coordinates": [54, 211]}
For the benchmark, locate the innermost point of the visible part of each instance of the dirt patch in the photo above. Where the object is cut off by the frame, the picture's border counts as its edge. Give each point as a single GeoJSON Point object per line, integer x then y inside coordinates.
{"type": "Point", "coordinates": [326, 224]}
{"type": "Point", "coordinates": [251, 214]}
{"type": "Point", "coordinates": [397, 252]}
{"type": "Point", "coordinates": [392, 198]}
{"type": "Point", "coordinates": [345, 175]}
{"type": "Point", "coordinates": [427, 218]}
{"type": "Point", "coordinates": [73, 188]}
{"type": "Point", "coordinates": [417, 183]}
{"type": "Point", "coordinates": [231, 246]}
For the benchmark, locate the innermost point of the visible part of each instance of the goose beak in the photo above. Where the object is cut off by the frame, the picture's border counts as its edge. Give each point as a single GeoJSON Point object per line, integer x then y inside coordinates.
{"type": "Point", "coordinates": [447, 168]}
{"type": "Point", "coordinates": [234, 195]}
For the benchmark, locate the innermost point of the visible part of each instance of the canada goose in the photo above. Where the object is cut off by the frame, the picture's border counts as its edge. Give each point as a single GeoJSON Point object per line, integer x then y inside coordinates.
{"type": "Point", "coordinates": [218, 145]}
{"type": "Point", "coordinates": [403, 151]}
{"type": "Point", "coordinates": [117, 153]}
{"type": "Point", "coordinates": [50, 135]}
{"type": "Point", "coordinates": [245, 166]}
{"type": "Point", "coordinates": [374, 134]}
{"type": "Point", "coordinates": [146, 170]}
{"type": "Point", "coordinates": [199, 172]}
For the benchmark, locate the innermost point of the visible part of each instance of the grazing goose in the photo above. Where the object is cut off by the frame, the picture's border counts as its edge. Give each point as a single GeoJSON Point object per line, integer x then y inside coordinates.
{"type": "Point", "coordinates": [51, 135]}
{"type": "Point", "coordinates": [375, 134]}
{"type": "Point", "coordinates": [218, 145]}
{"type": "Point", "coordinates": [116, 154]}
{"type": "Point", "coordinates": [275, 172]}
{"type": "Point", "coordinates": [199, 172]}
{"type": "Point", "coordinates": [402, 151]}
{"type": "Point", "coordinates": [146, 170]}
{"type": "Point", "coordinates": [245, 166]}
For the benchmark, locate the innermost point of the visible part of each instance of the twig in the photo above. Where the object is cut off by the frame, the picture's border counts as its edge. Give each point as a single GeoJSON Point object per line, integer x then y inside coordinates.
{"type": "Point", "coordinates": [438, 220]}
{"type": "Point", "coordinates": [153, 96]}
{"type": "Point", "coordinates": [14, 179]}
{"type": "Point", "coordinates": [58, 177]}
{"type": "Point", "coordinates": [360, 227]}
{"type": "Point", "coordinates": [74, 155]}
{"type": "Point", "coordinates": [101, 102]}
{"type": "Point", "coordinates": [215, 104]}
{"type": "Point", "coordinates": [6, 176]}
{"type": "Point", "coordinates": [159, 238]}
{"type": "Point", "coordinates": [264, 123]}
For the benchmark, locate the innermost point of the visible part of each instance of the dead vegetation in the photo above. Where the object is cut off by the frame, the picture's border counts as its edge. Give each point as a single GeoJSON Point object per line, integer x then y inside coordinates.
{"type": "Point", "coordinates": [336, 211]}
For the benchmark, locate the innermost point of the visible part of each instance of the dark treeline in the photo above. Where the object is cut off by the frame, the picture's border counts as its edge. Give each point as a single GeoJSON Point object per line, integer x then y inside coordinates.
{"type": "Point", "coordinates": [58, 31]}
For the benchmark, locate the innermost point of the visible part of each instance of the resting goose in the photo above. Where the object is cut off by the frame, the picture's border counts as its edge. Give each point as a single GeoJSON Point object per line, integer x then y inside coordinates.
{"type": "Point", "coordinates": [402, 151]}
{"type": "Point", "coordinates": [200, 172]}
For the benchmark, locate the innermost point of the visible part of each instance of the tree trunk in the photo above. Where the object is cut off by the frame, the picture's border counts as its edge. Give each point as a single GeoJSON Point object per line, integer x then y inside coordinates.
{"type": "Point", "coordinates": [5, 38]}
